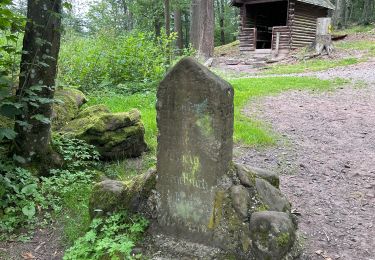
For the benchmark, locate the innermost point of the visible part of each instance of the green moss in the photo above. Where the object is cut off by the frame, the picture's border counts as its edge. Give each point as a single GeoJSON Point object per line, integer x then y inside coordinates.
{"type": "Point", "coordinates": [93, 110]}
{"type": "Point", "coordinates": [6, 122]}
{"type": "Point", "coordinates": [283, 239]}
{"type": "Point", "coordinates": [68, 108]}
{"type": "Point", "coordinates": [261, 207]}
{"type": "Point", "coordinates": [217, 210]}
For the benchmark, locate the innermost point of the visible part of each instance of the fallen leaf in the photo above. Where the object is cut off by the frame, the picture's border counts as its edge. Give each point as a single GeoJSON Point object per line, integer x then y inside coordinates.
{"type": "Point", "coordinates": [27, 256]}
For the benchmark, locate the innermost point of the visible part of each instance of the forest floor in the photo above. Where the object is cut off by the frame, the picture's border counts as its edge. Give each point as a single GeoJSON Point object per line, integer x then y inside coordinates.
{"type": "Point", "coordinates": [326, 158]}
{"type": "Point", "coordinates": [327, 161]}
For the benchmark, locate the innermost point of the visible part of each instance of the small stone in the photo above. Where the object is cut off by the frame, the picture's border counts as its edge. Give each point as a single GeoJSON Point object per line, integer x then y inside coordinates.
{"type": "Point", "coordinates": [247, 175]}
{"type": "Point", "coordinates": [111, 195]}
{"type": "Point", "coordinates": [241, 200]}
{"type": "Point", "coordinates": [272, 197]}
{"type": "Point", "coordinates": [272, 234]}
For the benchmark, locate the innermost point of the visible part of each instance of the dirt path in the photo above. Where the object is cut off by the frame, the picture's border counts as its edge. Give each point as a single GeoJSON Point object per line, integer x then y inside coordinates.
{"type": "Point", "coordinates": [328, 163]}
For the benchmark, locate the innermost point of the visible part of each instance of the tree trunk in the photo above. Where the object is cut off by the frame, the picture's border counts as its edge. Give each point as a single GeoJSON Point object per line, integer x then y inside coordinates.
{"type": "Point", "coordinates": [340, 13]}
{"type": "Point", "coordinates": [178, 29]}
{"type": "Point", "coordinates": [187, 29]}
{"type": "Point", "coordinates": [41, 45]}
{"type": "Point", "coordinates": [221, 9]}
{"type": "Point", "coordinates": [206, 28]}
{"type": "Point", "coordinates": [167, 15]}
{"type": "Point", "coordinates": [367, 12]}
{"type": "Point", "coordinates": [157, 26]}
{"type": "Point", "coordinates": [194, 23]}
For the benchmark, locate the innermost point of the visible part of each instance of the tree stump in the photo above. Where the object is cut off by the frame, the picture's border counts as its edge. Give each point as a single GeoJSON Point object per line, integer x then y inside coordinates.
{"type": "Point", "coordinates": [323, 38]}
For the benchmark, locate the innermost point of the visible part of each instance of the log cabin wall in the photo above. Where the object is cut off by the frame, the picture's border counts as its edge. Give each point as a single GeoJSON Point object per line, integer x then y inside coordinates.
{"type": "Point", "coordinates": [284, 37]}
{"type": "Point", "coordinates": [302, 21]}
{"type": "Point", "coordinates": [247, 32]}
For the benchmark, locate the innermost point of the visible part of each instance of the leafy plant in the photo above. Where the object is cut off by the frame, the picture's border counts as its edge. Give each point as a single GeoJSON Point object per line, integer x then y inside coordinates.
{"type": "Point", "coordinates": [111, 238]}
{"type": "Point", "coordinates": [23, 196]}
{"type": "Point", "coordinates": [11, 28]}
{"type": "Point", "coordinates": [77, 154]}
{"type": "Point", "coordinates": [20, 197]}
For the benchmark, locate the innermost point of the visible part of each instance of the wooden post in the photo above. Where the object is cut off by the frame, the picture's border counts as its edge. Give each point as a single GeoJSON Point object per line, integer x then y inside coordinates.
{"type": "Point", "coordinates": [277, 42]}
{"type": "Point", "coordinates": [323, 39]}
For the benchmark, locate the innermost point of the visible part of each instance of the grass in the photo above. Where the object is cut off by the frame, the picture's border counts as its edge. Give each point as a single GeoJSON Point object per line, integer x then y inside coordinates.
{"type": "Point", "coordinates": [362, 45]}
{"type": "Point", "coordinates": [254, 133]}
{"type": "Point", "coordinates": [75, 215]}
{"type": "Point", "coordinates": [309, 66]}
{"type": "Point", "coordinates": [248, 132]}
{"type": "Point", "coordinates": [356, 29]}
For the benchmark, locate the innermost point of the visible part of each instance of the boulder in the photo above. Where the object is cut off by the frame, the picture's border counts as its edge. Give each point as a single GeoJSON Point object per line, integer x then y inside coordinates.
{"type": "Point", "coordinates": [132, 195]}
{"type": "Point", "coordinates": [247, 175]}
{"type": "Point", "coordinates": [272, 234]}
{"type": "Point", "coordinates": [271, 197]}
{"type": "Point", "coordinates": [66, 110]}
{"type": "Point", "coordinates": [115, 135]}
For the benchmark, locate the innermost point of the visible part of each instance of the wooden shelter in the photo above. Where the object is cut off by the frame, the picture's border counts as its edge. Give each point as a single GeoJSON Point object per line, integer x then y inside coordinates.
{"type": "Point", "coordinates": [279, 24]}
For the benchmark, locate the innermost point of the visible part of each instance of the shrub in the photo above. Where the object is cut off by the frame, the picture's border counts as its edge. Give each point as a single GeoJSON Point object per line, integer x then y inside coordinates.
{"type": "Point", "coordinates": [132, 61]}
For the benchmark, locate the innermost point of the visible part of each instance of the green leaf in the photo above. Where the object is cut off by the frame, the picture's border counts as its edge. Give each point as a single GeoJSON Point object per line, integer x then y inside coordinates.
{"type": "Point", "coordinates": [7, 133]}
{"type": "Point", "coordinates": [29, 210]}
{"type": "Point", "coordinates": [41, 118]}
{"type": "Point", "coordinates": [29, 189]}
{"type": "Point", "coordinates": [67, 5]}
{"type": "Point", "coordinates": [19, 159]}
{"type": "Point", "coordinates": [10, 109]}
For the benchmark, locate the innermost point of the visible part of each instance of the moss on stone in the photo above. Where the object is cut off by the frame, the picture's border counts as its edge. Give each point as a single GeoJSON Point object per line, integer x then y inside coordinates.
{"type": "Point", "coordinates": [217, 210]}
{"type": "Point", "coordinates": [115, 135]}
{"type": "Point", "coordinates": [66, 110]}
{"type": "Point", "coordinates": [261, 207]}
{"type": "Point", "coordinates": [283, 239]}
{"type": "Point", "coordinates": [93, 110]}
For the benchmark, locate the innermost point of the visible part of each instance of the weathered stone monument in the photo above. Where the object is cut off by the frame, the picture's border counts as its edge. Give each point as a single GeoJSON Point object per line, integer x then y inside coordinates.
{"type": "Point", "coordinates": [202, 196]}
{"type": "Point", "coordinates": [195, 120]}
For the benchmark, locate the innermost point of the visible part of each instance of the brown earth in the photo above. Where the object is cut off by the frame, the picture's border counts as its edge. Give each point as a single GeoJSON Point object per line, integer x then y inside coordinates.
{"type": "Point", "coordinates": [327, 162]}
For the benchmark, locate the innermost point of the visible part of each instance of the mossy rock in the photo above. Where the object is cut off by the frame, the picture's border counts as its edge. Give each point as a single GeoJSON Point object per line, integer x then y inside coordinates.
{"type": "Point", "coordinates": [271, 197]}
{"type": "Point", "coordinates": [93, 110]}
{"type": "Point", "coordinates": [115, 135]}
{"type": "Point", "coordinates": [71, 100]}
{"type": "Point", "coordinates": [111, 195]}
{"type": "Point", "coordinates": [272, 234]}
{"type": "Point", "coordinates": [247, 175]}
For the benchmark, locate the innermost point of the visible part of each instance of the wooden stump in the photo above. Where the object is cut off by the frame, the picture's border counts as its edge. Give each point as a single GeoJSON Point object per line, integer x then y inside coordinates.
{"type": "Point", "coordinates": [323, 38]}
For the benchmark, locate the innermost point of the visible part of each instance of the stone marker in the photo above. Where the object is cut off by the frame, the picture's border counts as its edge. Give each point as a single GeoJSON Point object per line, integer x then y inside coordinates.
{"type": "Point", "coordinates": [195, 121]}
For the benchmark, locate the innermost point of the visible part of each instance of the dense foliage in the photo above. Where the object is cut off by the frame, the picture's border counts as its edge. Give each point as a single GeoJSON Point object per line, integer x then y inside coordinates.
{"type": "Point", "coordinates": [128, 62]}
{"type": "Point", "coordinates": [25, 198]}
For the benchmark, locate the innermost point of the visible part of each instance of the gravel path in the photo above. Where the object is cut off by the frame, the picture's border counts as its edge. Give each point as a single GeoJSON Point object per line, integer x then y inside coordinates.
{"type": "Point", "coordinates": [328, 162]}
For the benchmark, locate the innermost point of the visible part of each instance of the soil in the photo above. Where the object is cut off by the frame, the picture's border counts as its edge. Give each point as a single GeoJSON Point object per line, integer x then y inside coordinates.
{"type": "Point", "coordinates": [327, 162]}
{"type": "Point", "coordinates": [46, 244]}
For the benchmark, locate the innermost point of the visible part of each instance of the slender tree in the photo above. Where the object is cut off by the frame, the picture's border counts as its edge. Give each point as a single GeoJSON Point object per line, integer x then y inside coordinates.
{"type": "Point", "coordinates": [178, 28]}
{"type": "Point", "coordinates": [167, 16]}
{"type": "Point", "coordinates": [202, 27]}
{"type": "Point", "coordinates": [40, 50]}
{"type": "Point", "coordinates": [194, 23]}
{"type": "Point", "coordinates": [221, 11]}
